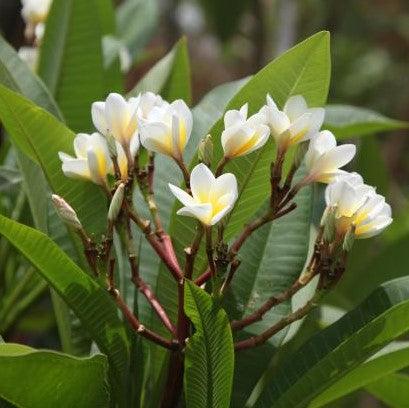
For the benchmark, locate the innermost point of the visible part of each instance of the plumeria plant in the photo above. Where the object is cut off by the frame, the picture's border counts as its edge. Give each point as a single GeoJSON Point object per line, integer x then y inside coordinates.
{"type": "Point", "coordinates": [189, 250]}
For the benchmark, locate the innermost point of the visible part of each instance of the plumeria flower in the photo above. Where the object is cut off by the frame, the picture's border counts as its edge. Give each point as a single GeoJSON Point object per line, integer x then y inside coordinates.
{"type": "Point", "coordinates": [117, 117]}
{"type": "Point", "coordinates": [295, 123]}
{"type": "Point", "coordinates": [358, 206]}
{"type": "Point", "coordinates": [92, 161]}
{"type": "Point", "coordinates": [212, 198]}
{"type": "Point", "coordinates": [324, 158]}
{"type": "Point", "coordinates": [34, 13]}
{"type": "Point", "coordinates": [166, 128]}
{"type": "Point", "coordinates": [243, 135]}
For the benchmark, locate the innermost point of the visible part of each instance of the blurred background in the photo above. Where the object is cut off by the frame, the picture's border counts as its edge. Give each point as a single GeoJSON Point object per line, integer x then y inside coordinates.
{"type": "Point", "coordinates": [231, 39]}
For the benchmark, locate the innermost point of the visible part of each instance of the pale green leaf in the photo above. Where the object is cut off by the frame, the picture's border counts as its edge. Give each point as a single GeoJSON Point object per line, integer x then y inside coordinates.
{"type": "Point", "coordinates": [392, 389]}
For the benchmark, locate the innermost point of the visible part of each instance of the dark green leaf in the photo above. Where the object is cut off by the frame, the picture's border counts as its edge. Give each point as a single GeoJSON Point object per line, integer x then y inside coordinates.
{"type": "Point", "coordinates": [340, 348]}
{"type": "Point", "coordinates": [209, 356]}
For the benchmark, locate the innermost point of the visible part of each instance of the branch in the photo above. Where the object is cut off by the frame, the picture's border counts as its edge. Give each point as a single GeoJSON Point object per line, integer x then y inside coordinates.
{"type": "Point", "coordinates": [255, 341]}
{"type": "Point", "coordinates": [185, 171]}
{"type": "Point", "coordinates": [220, 166]}
{"type": "Point", "coordinates": [133, 320]}
{"type": "Point", "coordinates": [209, 251]}
{"type": "Point", "coordinates": [192, 250]}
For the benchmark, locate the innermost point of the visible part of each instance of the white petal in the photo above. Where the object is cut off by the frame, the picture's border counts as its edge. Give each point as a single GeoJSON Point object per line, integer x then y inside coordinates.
{"type": "Point", "coordinates": [317, 118]}
{"type": "Point", "coordinates": [203, 212]}
{"type": "Point", "coordinates": [81, 144]}
{"type": "Point", "coordinates": [217, 217]}
{"type": "Point", "coordinates": [335, 158]}
{"type": "Point", "coordinates": [232, 118]}
{"type": "Point", "coordinates": [201, 181]}
{"type": "Point", "coordinates": [122, 160]}
{"type": "Point", "coordinates": [299, 129]}
{"type": "Point", "coordinates": [117, 116]}
{"type": "Point", "coordinates": [263, 132]}
{"type": "Point", "coordinates": [181, 195]}
{"type": "Point", "coordinates": [235, 138]}
{"type": "Point", "coordinates": [224, 184]}
{"type": "Point", "coordinates": [185, 117]}
{"type": "Point", "coordinates": [244, 111]}
{"type": "Point", "coordinates": [277, 121]}
{"type": "Point", "coordinates": [295, 107]}
{"type": "Point", "coordinates": [270, 102]}
{"type": "Point", "coordinates": [77, 168]}
{"type": "Point", "coordinates": [99, 118]}
{"type": "Point", "coordinates": [134, 146]}
{"type": "Point", "coordinates": [65, 157]}
{"type": "Point", "coordinates": [176, 142]}
{"type": "Point", "coordinates": [156, 137]}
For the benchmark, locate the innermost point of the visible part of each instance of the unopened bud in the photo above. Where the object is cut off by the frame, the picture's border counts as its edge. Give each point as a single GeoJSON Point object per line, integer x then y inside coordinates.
{"type": "Point", "coordinates": [66, 212]}
{"type": "Point", "coordinates": [116, 203]}
{"type": "Point", "coordinates": [349, 240]}
{"type": "Point", "coordinates": [329, 222]}
{"type": "Point", "coordinates": [205, 151]}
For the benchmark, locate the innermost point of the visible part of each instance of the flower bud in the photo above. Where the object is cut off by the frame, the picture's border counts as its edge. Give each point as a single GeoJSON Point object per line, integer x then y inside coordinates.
{"type": "Point", "coordinates": [66, 212]}
{"type": "Point", "coordinates": [205, 151]}
{"type": "Point", "coordinates": [116, 203]}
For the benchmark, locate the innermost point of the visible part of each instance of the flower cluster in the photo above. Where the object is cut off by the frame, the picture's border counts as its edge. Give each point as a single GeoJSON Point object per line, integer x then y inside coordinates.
{"type": "Point", "coordinates": [165, 128]}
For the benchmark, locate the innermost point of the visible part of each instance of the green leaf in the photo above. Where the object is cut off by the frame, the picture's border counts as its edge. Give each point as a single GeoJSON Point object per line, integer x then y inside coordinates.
{"type": "Point", "coordinates": [35, 379]}
{"type": "Point", "coordinates": [137, 21]}
{"type": "Point", "coordinates": [366, 374]}
{"type": "Point", "coordinates": [349, 121]}
{"type": "Point", "coordinates": [41, 137]}
{"type": "Point", "coordinates": [392, 389]}
{"type": "Point", "coordinates": [334, 352]}
{"type": "Point", "coordinates": [209, 356]}
{"type": "Point", "coordinates": [170, 77]}
{"type": "Point", "coordinates": [71, 59]}
{"type": "Point", "coordinates": [90, 302]}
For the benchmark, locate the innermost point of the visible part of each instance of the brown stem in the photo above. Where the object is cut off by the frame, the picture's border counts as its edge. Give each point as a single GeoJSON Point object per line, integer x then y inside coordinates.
{"type": "Point", "coordinates": [185, 171]}
{"type": "Point", "coordinates": [203, 278]}
{"type": "Point", "coordinates": [90, 251]}
{"type": "Point", "coordinates": [281, 324]}
{"type": "Point", "coordinates": [220, 166]}
{"type": "Point", "coordinates": [149, 295]}
{"type": "Point", "coordinates": [150, 197]}
{"type": "Point", "coordinates": [191, 251]}
{"type": "Point", "coordinates": [233, 268]}
{"type": "Point", "coordinates": [276, 175]}
{"type": "Point", "coordinates": [132, 319]}
{"type": "Point", "coordinates": [163, 248]}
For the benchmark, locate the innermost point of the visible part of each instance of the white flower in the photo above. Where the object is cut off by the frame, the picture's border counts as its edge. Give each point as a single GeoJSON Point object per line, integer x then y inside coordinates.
{"type": "Point", "coordinates": [35, 11]}
{"type": "Point", "coordinates": [241, 135]}
{"type": "Point", "coordinates": [324, 158]}
{"type": "Point", "coordinates": [92, 161]}
{"type": "Point", "coordinates": [118, 118]}
{"type": "Point", "coordinates": [295, 123]}
{"type": "Point", "coordinates": [166, 128]}
{"type": "Point", "coordinates": [212, 198]}
{"type": "Point", "coordinates": [357, 205]}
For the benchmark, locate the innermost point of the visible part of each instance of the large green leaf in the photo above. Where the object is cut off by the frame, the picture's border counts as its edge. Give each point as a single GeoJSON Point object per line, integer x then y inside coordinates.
{"type": "Point", "coordinates": [209, 356]}
{"type": "Point", "coordinates": [332, 353]}
{"type": "Point", "coordinates": [170, 77]}
{"type": "Point", "coordinates": [41, 136]}
{"type": "Point", "coordinates": [366, 374]}
{"type": "Point", "coordinates": [35, 379]}
{"type": "Point", "coordinates": [392, 389]}
{"type": "Point", "coordinates": [349, 121]}
{"type": "Point", "coordinates": [90, 302]}
{"type": "Point", "coordinates": [71, 58]}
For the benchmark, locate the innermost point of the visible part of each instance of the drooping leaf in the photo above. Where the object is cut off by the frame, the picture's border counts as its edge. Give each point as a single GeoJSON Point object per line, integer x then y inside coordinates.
{"type": "Point", "coordinates": [31, 378]}
{"type": "Point", "coordinates": [335, 351]}
{"type": "Point", "coordinates": [85, 297]}
{"type": "Point", "coordinates": [71, 62]}
{"type": "Point", "coordinates": [388, 362]}
{"type": "Point", "coordinates": [41, 136]}
{"type": "Point", "coordinates": [170, 77]}
{"type": "Point", "coordinates": [350, 121]}
{"type": "Point", "coordinates": [393, 390]}
{"type": "Point", "coordinates": [209, 356]}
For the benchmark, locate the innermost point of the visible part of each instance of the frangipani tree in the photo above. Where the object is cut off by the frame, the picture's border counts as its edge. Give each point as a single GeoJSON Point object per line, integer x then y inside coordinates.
{"type": "Point", "coordinates": [190, 231]}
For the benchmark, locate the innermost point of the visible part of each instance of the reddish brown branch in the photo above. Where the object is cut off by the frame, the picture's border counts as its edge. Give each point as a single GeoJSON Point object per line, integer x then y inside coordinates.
{"type": "Point", "coordinates": [192, 250]}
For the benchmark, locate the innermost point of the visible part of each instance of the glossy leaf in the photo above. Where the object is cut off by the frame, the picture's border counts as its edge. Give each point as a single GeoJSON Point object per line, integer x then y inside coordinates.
{"type": "Point", "coordinates": [349, 121]}
{"type": "Point", "coordinates": [71, 62]}
{"type": "Point", "coordinates": [334, 352]}
{"type": "Point", "coordinates": [388, 362]}
{"type": "Point", "coordinates": [392, 389]}
{"type": "Point", "coordinates": [35, 131]}
{"type": "Point", "coordinates": [35, 379]}
{"type": "Point", "coordinates": [209, 356]}
{"type": "Point", "coordinates": [90, 302]}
